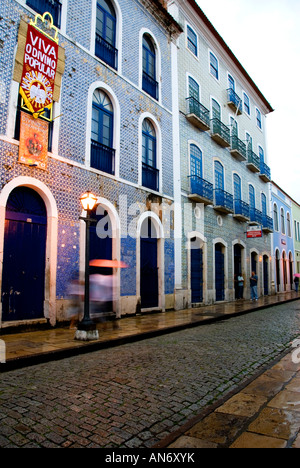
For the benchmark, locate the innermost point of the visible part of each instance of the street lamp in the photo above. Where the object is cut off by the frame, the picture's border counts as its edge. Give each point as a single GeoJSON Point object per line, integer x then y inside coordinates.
{"type": "Point", "coordinates": [87, 330]}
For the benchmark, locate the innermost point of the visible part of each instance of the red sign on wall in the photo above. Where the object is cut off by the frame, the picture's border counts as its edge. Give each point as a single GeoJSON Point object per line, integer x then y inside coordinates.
{"type": "Point", "coordinates": [254, 231]}
{"type": "Point", "coordinates": [39, 70]}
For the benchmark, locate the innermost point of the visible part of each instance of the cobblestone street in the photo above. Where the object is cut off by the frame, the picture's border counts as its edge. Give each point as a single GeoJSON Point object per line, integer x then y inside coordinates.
{"type": "Point", "coordinates": [136, 394]}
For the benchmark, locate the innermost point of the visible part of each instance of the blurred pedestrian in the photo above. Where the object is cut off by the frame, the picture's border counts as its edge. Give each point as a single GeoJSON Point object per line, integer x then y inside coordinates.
{"type": "Point", "coordinates": [75, 309]}
{"type": "Point", "coordinates": [296, 281]}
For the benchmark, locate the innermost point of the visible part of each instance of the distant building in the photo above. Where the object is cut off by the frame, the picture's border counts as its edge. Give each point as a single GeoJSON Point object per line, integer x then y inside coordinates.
{"type": "Point", "coordinates": [282, 240]}
{"type": "Point", "coordinates": [224, 169]}
{"type": "Point", "coordinates": [296, 232]}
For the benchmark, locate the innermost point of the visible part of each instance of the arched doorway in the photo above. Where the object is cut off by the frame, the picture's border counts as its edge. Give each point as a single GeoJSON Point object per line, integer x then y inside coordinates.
{"type": "Point", "coordinates": [101, 237]}
{"type": "Point", "coordinates": [237, 268]}
{"type": "Point", "coordinates": [291, 270]}
{"type": "Point", "coordinates": [196, 270]}
{"type": "Point", "coordinates": [266, 274]}
{"type": "Point", "coordinates": [277, 260]}
{"type": "Point", "coordinates": [149, 289]}
{"type": "Point", "coordinates": [24, 259]}
{"type": "Point", "coordinates": [284, 266]}
{"type": "Point", "coordinates": [220, 272]}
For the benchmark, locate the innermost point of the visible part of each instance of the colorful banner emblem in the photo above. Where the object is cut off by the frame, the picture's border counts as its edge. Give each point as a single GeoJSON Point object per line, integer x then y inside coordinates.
{"type": "Point", "coordinates": [33, 149]}
{"type": "Point", "coordinates": [39, 70]}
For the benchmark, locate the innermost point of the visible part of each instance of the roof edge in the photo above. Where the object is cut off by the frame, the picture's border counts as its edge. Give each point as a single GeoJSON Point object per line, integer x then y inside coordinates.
{"type": "Point", "coordinates": [223, 44]}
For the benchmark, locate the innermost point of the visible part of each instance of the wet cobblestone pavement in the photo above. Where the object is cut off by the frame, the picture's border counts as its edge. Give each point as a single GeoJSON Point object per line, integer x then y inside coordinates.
{"type": "Point", "coordinates": [136, 394]}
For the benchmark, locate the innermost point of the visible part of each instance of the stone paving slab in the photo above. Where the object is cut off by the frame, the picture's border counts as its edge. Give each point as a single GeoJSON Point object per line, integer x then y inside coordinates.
{"type": "Point", "coordinates": [264, 414]}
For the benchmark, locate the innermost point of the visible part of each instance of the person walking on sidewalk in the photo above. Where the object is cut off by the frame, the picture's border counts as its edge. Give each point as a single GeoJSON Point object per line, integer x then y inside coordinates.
{"type": "Point", "coordinates": [253, 286]}
{"type": "Point", "coordinates": [296, 281]}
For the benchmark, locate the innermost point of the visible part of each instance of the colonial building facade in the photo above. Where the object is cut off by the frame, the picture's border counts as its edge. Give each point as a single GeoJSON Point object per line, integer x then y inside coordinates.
{"type": "Point", "coordinates": [224, 168]}
{"type": "Point", "coordinates": [110, 131]}
{"type": "Point", "coordinates": [283, 249]}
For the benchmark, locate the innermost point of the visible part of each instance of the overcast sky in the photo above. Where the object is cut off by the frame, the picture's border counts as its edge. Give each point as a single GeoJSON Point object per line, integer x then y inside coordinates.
{"type": "Point", "coordinates": [265, 37]}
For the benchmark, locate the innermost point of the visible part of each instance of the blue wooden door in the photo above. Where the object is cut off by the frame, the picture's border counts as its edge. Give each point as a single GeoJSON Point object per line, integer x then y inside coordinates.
{"type": "Point", "coordinates": [23, 282]}
{"type": "Point", "coordinates": [101, 246]}
{"type": "Point", "coordinates": [266, 275]}
{"type": "Point", "coordinates": [197, 275]}
{"type": "Point", "coordinates": [149, 268]}
{"type": "Point", "coordinates": [219, 273]}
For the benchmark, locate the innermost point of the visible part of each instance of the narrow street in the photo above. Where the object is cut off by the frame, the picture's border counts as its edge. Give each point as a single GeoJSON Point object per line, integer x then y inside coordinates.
{"type": "Point", "coordinates": [136, 394]}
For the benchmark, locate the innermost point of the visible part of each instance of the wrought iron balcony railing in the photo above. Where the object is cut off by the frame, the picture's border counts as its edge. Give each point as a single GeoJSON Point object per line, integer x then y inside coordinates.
{"type": "Point", "coordinates": [52, 6]}
{"type": "Point", "coordinates": [265, 172]}
{"type": "Point", "coordinates": [267, 223]}
{"type": "Point", "coordinates": [150, 85]}
{"type": "Point", "coordinates": [256, 216]}
{"type": "Point", "coordinates": [102, 157]}
{"type": "Point", "coordinates": [241, 210]}
{"type": "Point", "coordinates": [220, 133]}
{"type": "Point", "coordinates": [253, 161]}
{"type": "Point", "coordinates": [201, 190]}
{"type": "Point", "coordinates": [238, 148]}
{"type": "Point", "coordinates": [234, 101]}
{"type": "Point", "coordinates": [150, 177]}
{"type": "Point", "coordinates": [197, 114]}
{"type": "Point", "coordinates": [106, 52]}
{"type": "Point", "coordinates": [223, 201]}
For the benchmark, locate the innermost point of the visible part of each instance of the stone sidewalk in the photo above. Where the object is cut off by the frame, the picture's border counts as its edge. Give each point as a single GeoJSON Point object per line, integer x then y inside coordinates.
{"type": "Point", "coordinates": [32, 347]}
{"type": "Point", "coordinates": [264, 414]}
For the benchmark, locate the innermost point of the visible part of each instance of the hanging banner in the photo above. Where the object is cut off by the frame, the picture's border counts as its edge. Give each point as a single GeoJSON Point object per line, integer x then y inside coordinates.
{"type": "Point", "coordinates": [33, 149]}
{"type": "Point", "coordinates": [39, 71]}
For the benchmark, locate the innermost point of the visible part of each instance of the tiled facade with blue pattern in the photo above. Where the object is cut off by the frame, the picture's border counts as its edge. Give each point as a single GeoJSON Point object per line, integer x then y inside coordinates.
{"type": "Point", "coordinates": [68, 175]}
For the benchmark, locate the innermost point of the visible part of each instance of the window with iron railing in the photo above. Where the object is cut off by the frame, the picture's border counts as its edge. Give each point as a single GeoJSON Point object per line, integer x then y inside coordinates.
{"type": "Point", "coordinates": [51, 6]}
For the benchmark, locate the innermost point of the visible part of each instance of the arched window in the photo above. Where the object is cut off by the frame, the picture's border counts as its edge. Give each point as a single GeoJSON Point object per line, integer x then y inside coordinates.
{"type": "Point", "coordinates": [275, 218]}
{"type": "Point", "coordinates": [216, 110]}
{"type": "Point", "coordinates": [219, 176]}
{"type": "Point", "coordinates": [105, 47]}
{"type": "Point", "coordinates": [150, 84]}
{"type": "Point", "coordinates": [194, 89]}
{"type": "Point", "coordinates": [282, 221]}
{"type": "Point", "coordinates": [237, 186]}
{"type": "Point", "coordinates": [150, 172]}
{"type": "Point", "coordinates": [214, 66]}
{"type": "Point", "coordinates": [289, 227]}
{"type": "Point", "coordinates": [264, 205]}
{"type": "Point", "coordinates": [196, 161]}
{"type": "Point", "coordinates": [102, 152]}
{"type": "Point", "coordinates": [192, 41]}
{"type": "Point", "coordinates": [251, 197]}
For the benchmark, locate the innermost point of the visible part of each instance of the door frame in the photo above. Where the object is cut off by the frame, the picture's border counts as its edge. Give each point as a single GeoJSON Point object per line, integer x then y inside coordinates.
{"type": "Point", "coordinates": [51, 239]}
{"type": "Point", "coordinates": [160, 259]}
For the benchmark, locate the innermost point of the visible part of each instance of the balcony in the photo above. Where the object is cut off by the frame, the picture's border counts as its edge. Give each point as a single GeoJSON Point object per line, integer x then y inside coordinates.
{"type": "Point", "coordinates": [106, 52]}
{"type": "Point", "coordinates": [241, 210]}
{"type": "Point", "coordinates": [150, 177]}
{"type": "Point", "coordinates": [223, 201]}
{"type": "Point", "coordinates": [201, 190]}
{"type": "Point", "coordinates": [238, 149]}
{"type": "Point", "coordinates": [51, 6]}
{"type": "Point", "coordinates": [234, 102]}
{"type": "Point", "coordinates": [253, 161]}
{"type": "Point", "coordinates": [220, 133]}
{"type": "Point", "coordinates": [265, 172]}
{"type": "Point", "coordinates": [267, 224]}
{"type": "Point", "coordinates": [197, 114]}
{"type": "Point", "coordinates": [150, 86]}
{"type": "Point", "coordinates": [255, 216]}
{"type": "Point", "coordinates": [102, 157]}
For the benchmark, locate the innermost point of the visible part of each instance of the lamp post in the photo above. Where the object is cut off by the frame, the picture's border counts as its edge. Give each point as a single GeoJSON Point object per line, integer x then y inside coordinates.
{"type": "Point", "coordinates": [87, 330]}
